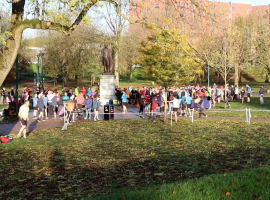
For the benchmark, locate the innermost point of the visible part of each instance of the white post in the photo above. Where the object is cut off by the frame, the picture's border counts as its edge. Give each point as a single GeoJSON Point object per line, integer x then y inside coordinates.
{"type": "Point", "coordinates": [246, 115]}
{"type": "Point", "coordinates": [192, 116]}
{"type": "Point", "coordinates": [249, 116]}
{"type": "Point", "coordinates": [171, 118]}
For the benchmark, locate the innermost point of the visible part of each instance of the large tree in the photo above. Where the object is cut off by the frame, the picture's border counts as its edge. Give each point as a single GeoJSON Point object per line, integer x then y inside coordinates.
{"type": "Point", "coordinates": [168, 59]}
{"type": "Point", "coordinates": [63, 16]}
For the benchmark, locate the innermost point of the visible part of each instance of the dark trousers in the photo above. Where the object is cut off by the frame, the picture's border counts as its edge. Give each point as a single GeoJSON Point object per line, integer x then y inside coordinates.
{"type": "Point", "coordinates": [141, 109]}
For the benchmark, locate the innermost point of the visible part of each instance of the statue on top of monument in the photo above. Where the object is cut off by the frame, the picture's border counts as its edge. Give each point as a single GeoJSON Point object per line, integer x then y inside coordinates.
{"type": "Point", "coordinates": [106, 59]}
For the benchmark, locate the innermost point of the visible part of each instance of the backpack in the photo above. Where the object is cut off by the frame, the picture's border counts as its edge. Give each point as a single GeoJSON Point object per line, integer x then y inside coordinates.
{"type": "Point", "coordinates": [5, 139]}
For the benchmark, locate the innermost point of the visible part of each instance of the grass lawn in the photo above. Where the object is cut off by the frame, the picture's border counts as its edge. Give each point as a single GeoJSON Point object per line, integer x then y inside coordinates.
{"type": "Point", "coordinates": [257, 110]}
{"type": "Point", "coordinates": [137, 159]}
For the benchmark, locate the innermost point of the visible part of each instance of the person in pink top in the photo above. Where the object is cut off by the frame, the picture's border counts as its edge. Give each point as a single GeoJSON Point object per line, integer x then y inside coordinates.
{"type": "Point", "coordinates": [80, 100]}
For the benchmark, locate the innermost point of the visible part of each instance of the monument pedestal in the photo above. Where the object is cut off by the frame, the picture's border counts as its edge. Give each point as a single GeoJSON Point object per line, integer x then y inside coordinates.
{"type": "Point", "coordinates": [106, 88]}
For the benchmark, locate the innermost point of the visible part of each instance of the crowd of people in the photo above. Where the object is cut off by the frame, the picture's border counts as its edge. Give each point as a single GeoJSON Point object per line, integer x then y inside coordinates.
{"type": "Point", "coordinates": [180, 100]}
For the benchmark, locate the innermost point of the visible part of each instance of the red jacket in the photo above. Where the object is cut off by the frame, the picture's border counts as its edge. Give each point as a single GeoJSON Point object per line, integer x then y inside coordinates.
{"type": "Point", "coordinates": [83, 90]}
{"type": "Point", "coordinates": [154, 105]}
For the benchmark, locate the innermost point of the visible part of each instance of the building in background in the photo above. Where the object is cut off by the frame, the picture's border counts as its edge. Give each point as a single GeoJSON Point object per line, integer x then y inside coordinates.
{"type": "Point", "coordinates": [193, 18]}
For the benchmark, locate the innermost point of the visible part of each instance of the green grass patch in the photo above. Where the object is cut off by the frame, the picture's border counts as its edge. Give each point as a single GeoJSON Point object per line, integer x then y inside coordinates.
{"type": "Point", "coordinates": [245, 184]}
{"type": "Point", "coordinates": [93, 159]}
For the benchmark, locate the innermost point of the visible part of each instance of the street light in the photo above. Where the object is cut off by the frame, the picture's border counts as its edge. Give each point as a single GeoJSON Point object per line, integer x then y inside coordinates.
{"type": "Point", "coordinates": [38, 70]}
{"type": "Point", "coordinates": [40, 55]}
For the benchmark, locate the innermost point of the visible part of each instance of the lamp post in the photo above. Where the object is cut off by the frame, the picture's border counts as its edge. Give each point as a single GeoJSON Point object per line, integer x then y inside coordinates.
{"type": "Point", "coordinates": [38, 70]}
{"type": "Point", "coordinates": [42, 78]}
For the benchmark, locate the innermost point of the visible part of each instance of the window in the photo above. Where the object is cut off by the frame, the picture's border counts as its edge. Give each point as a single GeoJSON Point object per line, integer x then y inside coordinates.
{"type": "Point", "coordinates": [134, 6]}
{"type": "Point", "coordinates": [239, 9]}
{"type": "Point", "coordinates": [143, 15]}
{"type": "Point", "coordinates": [156, 21]}
{"type": "Point", "coordinates": [248, 10]}
{"type": "Point", "coordinates": [167, 12]}
{"type": "Point", "coordinates": [232, 16]}
{"type": "Point", "coordinates": [232, 9]}
{"type": "Point", "coordinates": [156, 5]}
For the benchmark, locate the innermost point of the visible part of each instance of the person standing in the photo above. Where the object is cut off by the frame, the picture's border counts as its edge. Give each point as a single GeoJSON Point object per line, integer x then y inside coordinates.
{"type": "Point", "coordinates": [96, 105]}
{"type": "Point", "coordinates": [261, 93]}
{"type": "Point", "coordinates": [41, 106]}
{"type": "Point", "coordinates": [154, 105]}
{"type": "Point", "coordinates": [35, 100]}
{"type": "Point", "coordinates": [88, 102]}
{"type": "Point", "coordinates": [89, 92]}
{"type": "Point", "coordinates": [248, 93]}
{"type": "Point", "coordinates": [202, 108]}
{"type": "Point", "coordinates": [54, 105]}
{"type": "Point", "coordinates": [24, 117]}
{"type": "Point", "coordinates": [175, 107]}
{"type": "Point", "coordinates": [3, 95]}
{"type": "Point", "coordinates": [242, 93]}
{"type": "Point", "coordinates": [124, 101]}
{"type": "Point", "coordinates": [80, 100]}
{"type": "Point", "coordinates": [83, 91]}
{"type": "Point", "coordinates": [142, 106]}
{"type": "Point", "coordinates": [76, 91]}
{"type": "Point", "coordinates": [65, 98]}
{"type": "Point", "coordinates": [235, 93]}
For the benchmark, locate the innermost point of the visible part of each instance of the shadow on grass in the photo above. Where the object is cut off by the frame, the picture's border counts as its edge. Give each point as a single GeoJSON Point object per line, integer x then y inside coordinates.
{"type": "Point", "coordinates": [27, 175]}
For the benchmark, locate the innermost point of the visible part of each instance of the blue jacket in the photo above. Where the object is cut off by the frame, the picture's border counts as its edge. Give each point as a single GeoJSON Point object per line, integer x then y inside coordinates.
{"type": "Point", "coordinates": [96, 104]}
{"type": "Point", "coordinates": [88, 102]}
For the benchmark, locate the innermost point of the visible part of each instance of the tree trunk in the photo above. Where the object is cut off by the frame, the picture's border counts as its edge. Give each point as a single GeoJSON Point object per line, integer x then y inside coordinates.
{"type": "Point", "coordinates": [267, 78]}
{"type": "Point", "coordinates": [10, 53]}
{"type": "Point", "coordinates": [240, 77]}
{"type": "Point", "coordinates": [131, 76]}
{"type": "Point", "coordinates": [76, 80]}
{"type": "Point", "coordinates": [54, 81]}
{"type": "Point", "coordinates": [236, 75]}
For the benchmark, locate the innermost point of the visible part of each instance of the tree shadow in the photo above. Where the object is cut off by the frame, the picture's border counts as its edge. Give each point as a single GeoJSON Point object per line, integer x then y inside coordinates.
{"type": "Point", "coordinates": [28, 175]}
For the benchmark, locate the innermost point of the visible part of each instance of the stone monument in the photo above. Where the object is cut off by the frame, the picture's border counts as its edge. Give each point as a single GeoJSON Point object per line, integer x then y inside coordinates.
{"type": "Point", "coordinates": [107, 79]}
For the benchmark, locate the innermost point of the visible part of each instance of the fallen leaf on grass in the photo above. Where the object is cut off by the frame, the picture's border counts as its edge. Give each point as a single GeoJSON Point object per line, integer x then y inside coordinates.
{"type": "Point", "coordinates": [225, 170]}
{"type": "Point", "coordinates": [124, 198]}
{"type": "Point", "coordinates": [261, 172]}
{"type": "Point", "coordinates": [224, 191]}
{"type": "Point", "coordinates": [174, 191]}
{"type": "Point", "coordinates": [233, 183]}
{"type": "Point", "coordinates": [259, 180]}
{"type": "Point", "coordinates": [228, 193]}
{"type": "Point", "coordinates": [255, 196]}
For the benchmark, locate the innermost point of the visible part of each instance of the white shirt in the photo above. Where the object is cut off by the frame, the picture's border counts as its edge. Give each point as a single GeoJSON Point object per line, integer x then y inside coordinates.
{"type": "Point", "coordinates": [176, 103]}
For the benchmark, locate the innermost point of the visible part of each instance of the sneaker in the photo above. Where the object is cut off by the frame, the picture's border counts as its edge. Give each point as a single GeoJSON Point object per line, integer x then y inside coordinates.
{"type": "Point", "coordinates": [19, 136]}
{"type": "Point", "coordinates": [95, 120]}
{"type": "Point", "coordinates": [205, 116]}
{"type": "Point", "coordinates": [70, 124]}
{"type": "Point", "coordinates": [85, 118]}
{"type": "Point", "coordinates": [24, 137]}
{"type": "Point", "coordinates": [38, 120]}
{"type": "Point", "coordinates": [154, 121]}
{"type": "Point", "coordinates": [44, 120]}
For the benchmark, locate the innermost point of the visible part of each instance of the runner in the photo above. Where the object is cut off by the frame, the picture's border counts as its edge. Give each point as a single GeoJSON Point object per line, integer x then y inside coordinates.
{"type": "Point", "coordinates": [242, 92]}
{"type": "Point", "coordinates": [24, 117]}
{"type": "Point", "coordinates": [124, 101]}
{"type": "Point", "coordinates": [248, 93]}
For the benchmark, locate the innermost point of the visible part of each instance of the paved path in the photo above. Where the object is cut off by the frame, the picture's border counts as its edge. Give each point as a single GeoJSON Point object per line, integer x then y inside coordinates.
{"type": "Point", "coordinates": [6, 129]}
